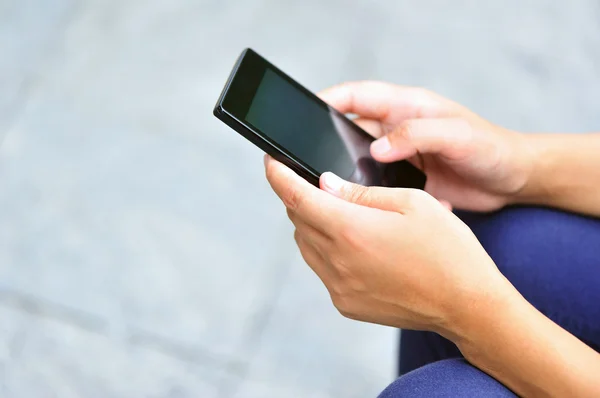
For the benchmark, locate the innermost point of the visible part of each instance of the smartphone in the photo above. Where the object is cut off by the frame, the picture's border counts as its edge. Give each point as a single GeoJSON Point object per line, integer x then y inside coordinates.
{"type": "Point", "coordinates": [294, 126]}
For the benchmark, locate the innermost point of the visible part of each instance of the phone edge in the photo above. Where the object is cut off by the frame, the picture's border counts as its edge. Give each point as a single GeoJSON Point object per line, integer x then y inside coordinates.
{"type": "Point", "coordinates": [220, 113]}
{"type": "Point", "coordinates": [266, 146]}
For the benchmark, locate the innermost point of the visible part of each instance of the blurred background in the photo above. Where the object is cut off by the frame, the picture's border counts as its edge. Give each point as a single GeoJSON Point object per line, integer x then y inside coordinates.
{"type": "Point", "coordinates": [141, 251]}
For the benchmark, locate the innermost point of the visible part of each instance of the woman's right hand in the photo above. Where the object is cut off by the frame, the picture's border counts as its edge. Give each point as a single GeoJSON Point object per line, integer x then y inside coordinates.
{"type": "Point", "coordinates": [470, 162]}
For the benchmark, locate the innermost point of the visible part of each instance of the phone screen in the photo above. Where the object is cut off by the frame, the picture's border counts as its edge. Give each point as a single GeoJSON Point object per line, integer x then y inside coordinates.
{"type": "Point", "coordinates": [323, 139]}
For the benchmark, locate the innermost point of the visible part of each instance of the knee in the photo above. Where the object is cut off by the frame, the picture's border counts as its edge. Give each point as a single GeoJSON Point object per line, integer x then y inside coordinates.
{"type": "Point", "coordinates": [448, 378]}
{"type": "Point", "coordinates": [550, 257]}
{"type": "Point", "coordinates": [529, 238]}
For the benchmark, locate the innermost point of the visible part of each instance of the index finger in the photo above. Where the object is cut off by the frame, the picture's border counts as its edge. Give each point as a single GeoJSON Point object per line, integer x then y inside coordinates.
{"type": "Point", "coordinates": [389, 103]}
{"type": "Point", "coordinates": [313, 206]}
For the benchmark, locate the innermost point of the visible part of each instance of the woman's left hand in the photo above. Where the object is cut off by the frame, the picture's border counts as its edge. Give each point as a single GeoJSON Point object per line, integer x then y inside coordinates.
{"type": "Point", "coordinates": [390, 256]}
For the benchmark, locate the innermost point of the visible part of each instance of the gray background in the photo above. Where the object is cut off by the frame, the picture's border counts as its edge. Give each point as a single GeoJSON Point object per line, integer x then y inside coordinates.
{"type": "Point", "coordinates": [141, 251]}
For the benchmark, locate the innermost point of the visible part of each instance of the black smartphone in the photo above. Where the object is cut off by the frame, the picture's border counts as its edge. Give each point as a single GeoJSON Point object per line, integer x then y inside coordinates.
{"type": "Point", "coordinates": [297, 128]}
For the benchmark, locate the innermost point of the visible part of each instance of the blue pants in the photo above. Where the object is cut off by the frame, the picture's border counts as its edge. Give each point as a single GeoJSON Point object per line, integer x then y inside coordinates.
{"type": "Point", "coordinates": [552, 258]}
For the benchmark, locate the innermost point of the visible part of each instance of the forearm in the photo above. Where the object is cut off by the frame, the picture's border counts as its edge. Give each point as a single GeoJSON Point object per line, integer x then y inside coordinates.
{"type": "Point", "coordinates": [565, 172]}
{"type": "Point", "coordinates": [516, 344]}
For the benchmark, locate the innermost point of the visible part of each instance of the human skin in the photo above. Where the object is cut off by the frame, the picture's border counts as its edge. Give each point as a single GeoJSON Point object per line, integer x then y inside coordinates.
{"type": "Point", "coordinates": [398, 257]}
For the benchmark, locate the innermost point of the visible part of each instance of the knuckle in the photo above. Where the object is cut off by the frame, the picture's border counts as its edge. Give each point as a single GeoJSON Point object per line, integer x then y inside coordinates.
{"type": "Point", "coordinates": [423, 96]}
{"type": "Point", "coordinates": [291, 215]}
{"type": "Point", "coordinates": [359, 194]}
{"type": "Point", "coordinates": [349, 278]}
{"type": "Point", "coordinates": [292, 199]}
{"type": "Point", "coordinates": [346, 89]}
{"type": "Point", "coordinates": [302, 244]}
{"type": "Point", "coordinates": [346, 312]}
{"type": "Point", "coordinates": [415, 198]}
{"type": "Point", "coordinates": [337, 291]}
{"type": "Point", "coordinates": [463, 132]}
{"type": "Point", "coordinates": [350, 235]}
{"type": "Point", "coordinates": [341, 268]}
{"type": "Point", "coordinates": [342, 303]}
{"type": "Point", "coordinates": [346, 290]}
{"type": "Point", "coordinates": [297, 238]}
{"type": "Point", "coordinates": [405, 130]}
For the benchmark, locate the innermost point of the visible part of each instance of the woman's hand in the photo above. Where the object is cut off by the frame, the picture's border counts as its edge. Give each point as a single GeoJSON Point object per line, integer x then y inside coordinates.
{"type": "Point", "coordinates": [397, 257]}
{"type": "Point", "coordinates": [469, 162]}
{"type": "Point", "coordinates": [390, 256]}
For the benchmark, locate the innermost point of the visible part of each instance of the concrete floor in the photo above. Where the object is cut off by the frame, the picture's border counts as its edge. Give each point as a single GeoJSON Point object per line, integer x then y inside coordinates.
{"type": "Point", "coordinates": [141, 251]}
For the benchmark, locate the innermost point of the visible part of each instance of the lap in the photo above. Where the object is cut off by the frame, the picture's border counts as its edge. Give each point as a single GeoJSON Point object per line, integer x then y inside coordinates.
{"type": "Point", "coordinates": [447, 378]}
{"type": "Point", "coordinates": [552, 258]}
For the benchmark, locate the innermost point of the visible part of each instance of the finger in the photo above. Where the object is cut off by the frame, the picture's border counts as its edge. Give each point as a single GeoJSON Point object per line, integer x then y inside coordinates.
{"type": "Point", "coordinates": [447, 137]}
{"type": "Point", "coordinates": [399, 200]}
{"type": "Point", "coordinates": [375, 128]}
{"type": "Point", "coordinates": [378, 129]}
{"type": "Point", "coordinates": [319, 238]}
{"type": "Point", "coordinates": [387, 102]}
{"type": "Point", "coordinates": [313, 206]}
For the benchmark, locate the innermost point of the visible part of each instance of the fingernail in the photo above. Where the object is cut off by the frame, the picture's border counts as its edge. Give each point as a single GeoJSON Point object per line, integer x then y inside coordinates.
{"type": "Point", "coordinates": [333, 182]}
{"type": "Point", "coordinates": [381, 146]}
{"type": "Point", "coordinates": [266, 159]}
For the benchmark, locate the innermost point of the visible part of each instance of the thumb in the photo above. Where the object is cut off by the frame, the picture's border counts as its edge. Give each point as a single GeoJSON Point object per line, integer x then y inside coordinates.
{"type": "Point", "coordinates": [450, 138]}
{"type": "Point", "coordinates": [390, 199]}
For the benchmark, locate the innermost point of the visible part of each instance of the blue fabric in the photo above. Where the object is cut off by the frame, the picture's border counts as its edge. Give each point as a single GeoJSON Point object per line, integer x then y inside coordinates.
{"type": "Point", "coordinates": [449, 378]}
{"type": "Point", "coordinates": [552, 258]}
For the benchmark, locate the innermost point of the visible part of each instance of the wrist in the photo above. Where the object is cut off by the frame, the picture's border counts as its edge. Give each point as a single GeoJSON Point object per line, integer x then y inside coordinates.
{"type": "Point", "coordinates": [509, 339]}
{"type": "Point", "coordinates": [479, 314]}
{"type": "Point", "coordinates": [539, 151]}
{"type": "Point", "coordinates": [524, 167]}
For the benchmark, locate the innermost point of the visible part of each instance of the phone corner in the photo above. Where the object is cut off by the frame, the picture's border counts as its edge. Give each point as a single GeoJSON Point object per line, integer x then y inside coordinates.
{"type": "Point", "coordinates": [423, 182]}
{"type": "Point", "coordinates": [218, 110]}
